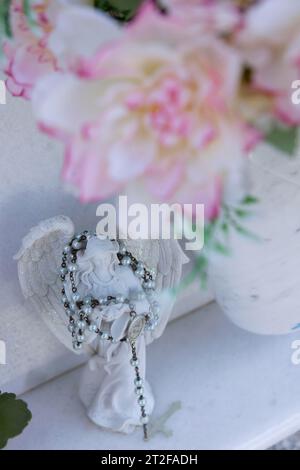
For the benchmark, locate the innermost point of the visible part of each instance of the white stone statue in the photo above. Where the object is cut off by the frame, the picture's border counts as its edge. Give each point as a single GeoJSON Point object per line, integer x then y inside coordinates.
{"type": "Point", "coordinates": [107, 386]}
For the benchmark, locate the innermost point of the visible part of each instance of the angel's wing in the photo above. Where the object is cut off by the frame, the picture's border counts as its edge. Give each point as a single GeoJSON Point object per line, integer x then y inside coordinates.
{"type": "Point", "coordinates": [39, 262]}
{"type": "Point", "coordinates": [166, 257]}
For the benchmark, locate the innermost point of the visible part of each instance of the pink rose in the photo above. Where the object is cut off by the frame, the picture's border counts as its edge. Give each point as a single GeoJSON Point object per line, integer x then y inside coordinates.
{"type": "Point", "coordinates": [157, 106]}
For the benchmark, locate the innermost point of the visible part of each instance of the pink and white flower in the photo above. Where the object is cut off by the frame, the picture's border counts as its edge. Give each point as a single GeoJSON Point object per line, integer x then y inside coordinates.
{"type": "Point", "coordinates": [270, 41]}
{"type": "Point", "coordinates": [156, 105]}
{"type": "Point", "coordinates": [79, 32]}
{"type": "Point", "coordinates": [28, 57]}
{"type": "Point", "coordinates": [56, 43]}
{"type": "Point", "coordinates": [207, 16]}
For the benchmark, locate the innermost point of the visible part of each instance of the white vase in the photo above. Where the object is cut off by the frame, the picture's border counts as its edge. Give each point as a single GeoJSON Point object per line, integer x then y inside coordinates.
{"type": "Point", "coordinates": [258, 284]}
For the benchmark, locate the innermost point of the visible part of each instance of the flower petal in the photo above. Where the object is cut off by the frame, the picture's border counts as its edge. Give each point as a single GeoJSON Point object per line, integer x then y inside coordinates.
{"type": "Point", "coordinates": [79, 32]}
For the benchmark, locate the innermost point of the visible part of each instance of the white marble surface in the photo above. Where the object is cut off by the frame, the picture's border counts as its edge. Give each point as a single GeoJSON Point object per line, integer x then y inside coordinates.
{"type": "Point", "coordinates": [238, 391]}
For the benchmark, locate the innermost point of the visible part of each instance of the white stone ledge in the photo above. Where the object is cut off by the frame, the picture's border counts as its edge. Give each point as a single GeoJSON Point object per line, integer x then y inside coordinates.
{"type": "Point", "coordinates": [238, 391]}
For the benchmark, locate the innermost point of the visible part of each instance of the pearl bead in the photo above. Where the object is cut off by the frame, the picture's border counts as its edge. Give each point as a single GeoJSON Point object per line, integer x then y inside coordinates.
{"type": "Point", "coordinates": [145, 419]}
{"type": "Point", "coordinates": [72, 268]}
{"type": "Point", "coordinates": [87, 310]}
{"type": "Point", "coordinates": [76, 297]}
{"type": "Point", "coordinates": [73, 306]}
{"type": "Point", "coordinates": [67, 249]}
{"type": "Point", "coordinates": [76, 245]}
{"type": "Point", "coordinates": [80, 325]}
{"type": "Point", "coordinates": [88, 299]}
{"type": "Point", "coordinates": [149, 285]}
{"type": "Point", "coordinates": [138, 382]}
{"type": "Point", "coordinates": [153, 273]}
{"type": "Point", "coordinates": [68, 312]}
{"type": "Point", "coordinates": [139, 272]}
{"type": "Point", "coordinates": [71, 328]}
{"type": "Point", "coordinates": [77, 345]}
{"type": "Point", "coordinates": [126, 261]}
{"type": "Point", "coordinates": [63, 271]}
{"type": "Point", "coordinates": [141, 266]}
{"type": "Point", "coordinates": [93, 327]}
{"type": "Point", "coordinates": [134, 362]}
{"type": "Point", "coordinates": [102, 300]}
{"type": "Point", "coordinates": [131, 306]}
{"type": "Point", "coordinates": [139, 390]}
{"type": "Point", "coordinates": [80, 338]}
{"type": "Point", "coordinates": [105, 336]}
{"type": "Point", "coordinates": [142, 401]}
{"type": "Point", "coordinates": [64, 299]}
{"type": "Point", "coordinates": [120, 299]}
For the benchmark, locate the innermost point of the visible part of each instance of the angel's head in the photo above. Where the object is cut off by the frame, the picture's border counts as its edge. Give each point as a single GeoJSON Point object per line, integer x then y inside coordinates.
{"type": "Point", "coordinates": [100, 257]}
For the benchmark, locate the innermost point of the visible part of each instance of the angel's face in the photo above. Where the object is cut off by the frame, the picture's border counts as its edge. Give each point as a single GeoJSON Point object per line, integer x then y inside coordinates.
{"type": "Point", "coordinates": [102, 253]}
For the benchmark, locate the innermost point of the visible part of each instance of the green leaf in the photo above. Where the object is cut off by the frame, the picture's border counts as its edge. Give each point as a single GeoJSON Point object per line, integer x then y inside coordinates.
{"type": "Point", "coordinates": [27, 7]}
{"type": "Point", "coordinates": [120, 10]}
{"type": "Point", "coordinates": [14, 417]}
{"type": "Point", "coordinates": [249, 199]}
{"type": "Point", "coordinates": [225, 227]}
{"type": "Point", "coordinates": [247, 233]}
{"type": "Point", "coordinates": [5, 27]}
{"type": "Point", "coordinates": [220, 248]}
{"type": "Point", "coordinates": [201, 266]}
{"type": "Point", "coordinates": [283, 138]}
{"type": "Point", "coordinates": [209, 230]}
{"type": "Point", "coordinates": [28, 11]}
{"type": "Point", "coordinates": [241, 213]}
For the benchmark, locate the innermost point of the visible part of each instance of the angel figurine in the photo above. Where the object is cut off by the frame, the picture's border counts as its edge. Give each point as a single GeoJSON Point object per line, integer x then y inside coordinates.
{"type": "Point", "coordinates": [107, 296]}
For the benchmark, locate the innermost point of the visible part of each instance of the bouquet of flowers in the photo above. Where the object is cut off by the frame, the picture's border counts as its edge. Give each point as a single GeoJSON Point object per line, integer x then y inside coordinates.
{"type": "Point", "coordinates": [172, 94]}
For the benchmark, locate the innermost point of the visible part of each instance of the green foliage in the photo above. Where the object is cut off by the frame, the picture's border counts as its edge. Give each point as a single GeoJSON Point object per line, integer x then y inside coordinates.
{"type": "Point", "coordinates": [14, 417]}
{"type": "Point", "coordinates": [249, 199]}
{"type": "Point", "coordinates": [122, 11]}
{"type": "Point", "coordinates": [283, 138]}
{"type": "Point", "coordinates": [231, 216]}
{"type": "Point", "coordinates": [216, 235]}
{"type": "Point", "coordinates": [29, 13]}
{"type": "Point", "coordinates": [5, 28]}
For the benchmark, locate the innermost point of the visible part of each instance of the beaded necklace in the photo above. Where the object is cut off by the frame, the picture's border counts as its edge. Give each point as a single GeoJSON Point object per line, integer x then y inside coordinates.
{"type": "Point", "coordinates": [80, 311]}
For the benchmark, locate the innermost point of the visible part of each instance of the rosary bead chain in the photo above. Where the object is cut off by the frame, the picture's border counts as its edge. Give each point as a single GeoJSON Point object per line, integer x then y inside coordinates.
{"type": "Point", "coordinates": [83, 308]}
